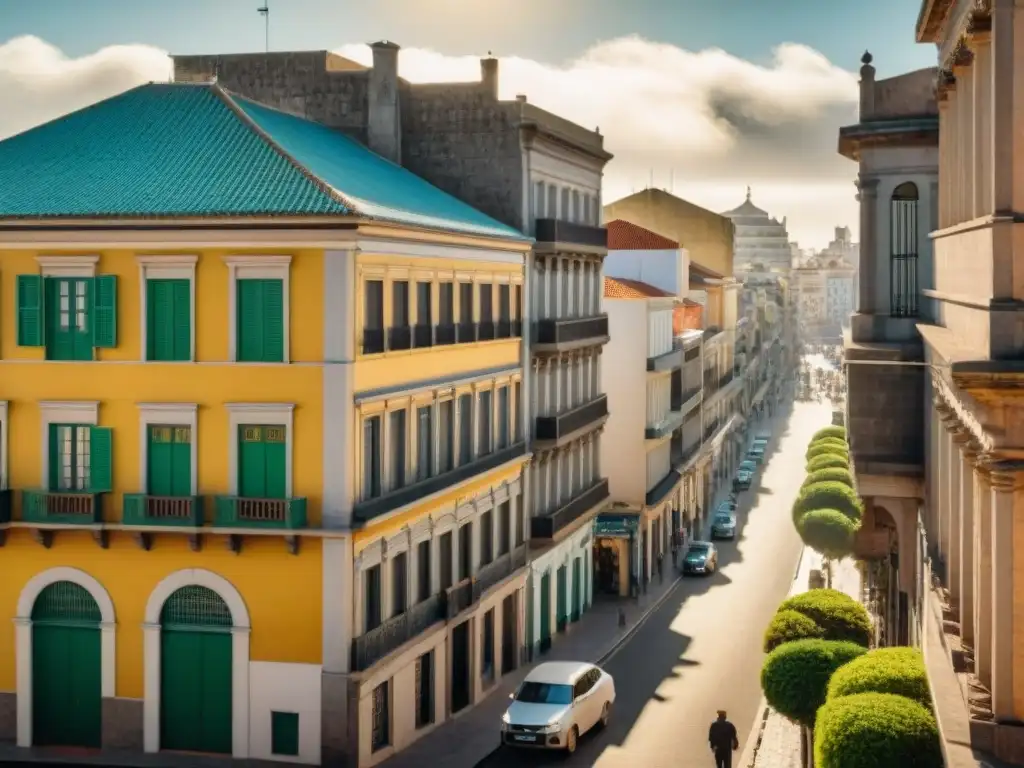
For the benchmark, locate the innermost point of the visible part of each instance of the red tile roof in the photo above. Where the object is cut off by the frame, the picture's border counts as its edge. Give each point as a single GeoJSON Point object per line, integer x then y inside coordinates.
{"type": "Point", "coordinates": [620, 288]}
{"type": "Point", "coordinates": [627, 236]}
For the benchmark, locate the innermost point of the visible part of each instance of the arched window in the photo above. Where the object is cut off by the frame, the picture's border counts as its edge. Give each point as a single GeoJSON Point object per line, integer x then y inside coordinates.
{"type": "Point", "coordinates": [903, 289]}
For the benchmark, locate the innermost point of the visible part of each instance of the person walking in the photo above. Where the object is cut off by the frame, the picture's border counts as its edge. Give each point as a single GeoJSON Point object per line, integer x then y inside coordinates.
{"type": "Point", "coordinates": [723, 740]}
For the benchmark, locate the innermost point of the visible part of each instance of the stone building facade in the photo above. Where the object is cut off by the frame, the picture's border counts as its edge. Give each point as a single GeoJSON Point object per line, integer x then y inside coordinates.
{"type": "Point", "coordinates": [761, 241]}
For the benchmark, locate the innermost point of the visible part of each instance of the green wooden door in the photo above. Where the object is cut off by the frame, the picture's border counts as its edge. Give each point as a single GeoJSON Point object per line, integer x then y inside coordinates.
{"type": "Point", "coordinates": [168, 319]}
{"type": "Point", "coordinates": [68, 330]}
{"type": "Point", "coordinates": [195, 672]}
{"type": "Point", "coordinates": [545, 612]}
{"type": "Point", "coordinates": [577, 590]}
{"type": "Point", "coordinates": [561, 614]}
{"type": "Point", "coordinates": [261, 462]}
{"type": "Point", "coordinates": [169, 456]}
{"type": "Point", "coordinates": [66, 668]}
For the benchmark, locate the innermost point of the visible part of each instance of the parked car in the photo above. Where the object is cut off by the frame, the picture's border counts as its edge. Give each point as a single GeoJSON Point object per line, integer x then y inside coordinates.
{"type": "Point", "coordinates": [748, 465]}
{"type": "Point", "coordinates": [701, 558]}
{"type": "Point", "coordinates": [556, 704]}
{"type": "Point", "coordinates": [743, 480]}
{"type": "Point", "coordinates": [723, 525]}
{"type": "Point", "coordinates": [756, 453]}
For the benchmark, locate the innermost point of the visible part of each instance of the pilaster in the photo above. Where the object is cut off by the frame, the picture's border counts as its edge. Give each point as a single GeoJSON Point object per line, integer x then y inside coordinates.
{"type": "Point", "coordinates": [968, 456]}
{"type": "Point", "coordinates": [868, 188]}
{"type": "Point", "coordinates": [983, 572]}
{"type": "Point", "coordinates": [1006, 483]}
{"type": "Point", "coordinates": [957, 439]}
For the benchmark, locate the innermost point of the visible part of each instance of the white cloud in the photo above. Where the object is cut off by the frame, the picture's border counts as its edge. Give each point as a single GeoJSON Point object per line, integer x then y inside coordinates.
{"type": "Point", "coordinates": [708, 120]}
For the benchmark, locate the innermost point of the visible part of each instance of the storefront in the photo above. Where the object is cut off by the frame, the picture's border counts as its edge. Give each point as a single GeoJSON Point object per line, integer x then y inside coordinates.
{"type": "Point", "coordinates": [560, 589]}
{"type": "Point", "coordinates": [619, 544]}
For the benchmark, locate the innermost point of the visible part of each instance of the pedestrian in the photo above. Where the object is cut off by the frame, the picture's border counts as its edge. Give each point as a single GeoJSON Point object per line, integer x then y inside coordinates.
{"type": "Point", "coordinates": [661, 567]}
{"type": "Point", "coordinates": [723, 740]}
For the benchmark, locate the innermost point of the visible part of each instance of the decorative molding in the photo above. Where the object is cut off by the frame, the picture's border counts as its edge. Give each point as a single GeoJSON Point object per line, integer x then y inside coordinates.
{"type": "Point", "coordinates": [168, 414]}
{"type": "Point", "coordinates": [67, 266]}
{"type": "Point", "coordinates": [258, 267]}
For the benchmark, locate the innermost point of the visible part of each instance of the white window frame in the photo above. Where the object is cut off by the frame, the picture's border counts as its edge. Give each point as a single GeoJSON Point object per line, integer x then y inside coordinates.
{"type": "Point", "coordinates": [172, 414]}
{"type": "Point", "coordinates": [67, 266]}
{"type": "Point", "coordinates": [166, 268]}
{"type": "Point", "coordinates": [83, 412]}
{"type": "Point", "coordinates": [4, 410]}
{"type": "Point", "coordinates": [258, 268]}
{"type": "Point", "coordinates": [273, 414]}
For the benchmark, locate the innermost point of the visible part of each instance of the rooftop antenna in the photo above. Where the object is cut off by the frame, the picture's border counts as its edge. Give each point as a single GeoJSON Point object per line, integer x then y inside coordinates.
{"type": "Point", "coordinates": [264, 11]}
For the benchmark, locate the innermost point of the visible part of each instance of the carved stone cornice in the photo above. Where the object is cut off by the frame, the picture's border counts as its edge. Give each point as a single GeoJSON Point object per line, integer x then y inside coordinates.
{"type": "Point", "coordinates": [960, 435]}
{"type": "Point", "coordinates": [1007, 476]}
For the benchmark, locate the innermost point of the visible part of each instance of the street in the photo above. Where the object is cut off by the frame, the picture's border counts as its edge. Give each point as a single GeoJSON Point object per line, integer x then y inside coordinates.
{"type": "Point", "coordinates": [701, 651]}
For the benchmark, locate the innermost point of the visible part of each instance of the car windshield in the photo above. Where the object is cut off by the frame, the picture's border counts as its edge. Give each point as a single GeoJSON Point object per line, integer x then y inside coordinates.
{"type": "Point", "coordinates": [544, 693]}
{"type": "Point", "coordinates": [698, 550]}
{"type": "Point", "coordinates": [723, 519]}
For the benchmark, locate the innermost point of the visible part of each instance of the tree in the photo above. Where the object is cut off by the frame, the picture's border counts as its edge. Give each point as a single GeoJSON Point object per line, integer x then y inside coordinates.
{"type": "Point", "coordinates": [829, 474]}
{"type": "Point", "coordinates": [787, 626]}
{"type": "Point", "coordinates": [867, 730]}
{"type": "Point", "coordinates": [836, 446]}
{"type": "Point", "coordinates": [839, 615]}
{"type": "Point", "coordinates": [898, 670]}
{"type": "Point", "coordinates": [828, 460]}
{"type": "Point", "coordinates": [795, 675]}
{"type": "Point", "coordinates": [828, 532]}
{"type": "Point", "coordinates": [828, 495]}
{"type": "Point", "coordinates": [830, 431]}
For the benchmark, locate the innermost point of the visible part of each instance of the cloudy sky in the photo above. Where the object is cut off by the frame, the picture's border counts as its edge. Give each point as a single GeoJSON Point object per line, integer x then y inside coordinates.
{"type": "Point", "coordinates": [705, 98]}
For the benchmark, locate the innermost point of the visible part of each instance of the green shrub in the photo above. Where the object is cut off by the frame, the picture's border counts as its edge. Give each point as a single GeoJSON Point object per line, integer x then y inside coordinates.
{"type": "Point", "coordinates": [828, 445]}
{"type": "Point", "coordinates": [831, 431]}
{"type": "Point", "coordinates": [787, 626]}
{"type": "Point", "coordinates": [884, 670]}
{"type": "Point", "coordinates": [838, 614]}
{"type": "Point", "coordinates": [828, 495]}
{"type": "Point", "coordinates": [829, 475]}
{"type": "Point", "coordinates": [828, 460]}
{"type": "Point", "coordinates": [868, 730]}
{"type": "Point", "coordinates": [828, 532]}
{"type": "Point", "coordinates": [795, 675]}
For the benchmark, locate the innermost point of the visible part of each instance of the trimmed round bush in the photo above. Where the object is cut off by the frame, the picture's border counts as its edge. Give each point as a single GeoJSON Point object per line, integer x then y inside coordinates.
{"type": "Point", "coordinates": [829, 475]}
{"type": "Point", "coordinates": [828, 495]}
{"type": "Point", "coordinates": [868, 730]}
{"type": "Point", "coordinates": [831, 431]}
{"type": "Point", "coordinates": [884, 670]}
{"type": "Point", "coordinates": [828, 532]}
{"type": "Point", "coordinates": [827, 461]}
{"type": "Point", "coordinates": [787, 626]}
{"type": "Point", "coordinates": [795, 675]}
{"type": "Point", "coordinates": [827, 445]}
{"type": "Point", "coordinates": [838, 614]}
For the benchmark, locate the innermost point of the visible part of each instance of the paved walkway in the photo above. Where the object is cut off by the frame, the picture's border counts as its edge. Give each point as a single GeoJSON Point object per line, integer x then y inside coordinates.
{"type": "Point", "coordinates": [779, 745]}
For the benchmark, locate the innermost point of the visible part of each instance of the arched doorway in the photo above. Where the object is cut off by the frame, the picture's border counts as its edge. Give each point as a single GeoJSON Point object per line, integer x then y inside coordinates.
{"type": "Point", "coordinates": [67, 696]}
{"type": "Point", "coordinates": [196, 671]}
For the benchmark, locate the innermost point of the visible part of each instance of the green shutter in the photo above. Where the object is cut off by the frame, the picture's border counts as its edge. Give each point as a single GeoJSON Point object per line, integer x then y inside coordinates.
{"type": "Point", "coordinates": [182, 290]}
{"type": "Point", "coordinates": [252, 462]}
{"type": "Point", "coordinates": [54, 447]}
{"type": "Point", "coordinates": [181, 461]}
{"type": "Point", "coordinates": [101, 454]}
{"type": "Point", "coordinates": [284, 733]}
{"type": "Point", "coordinates": [159, 461]}
{"type": "Point", "coordinates": [30, 311]}
{"type": "Point", "coordinates": [104, 320]}
{"type": "Point", "coordinates": [260, 321]}
{"type": "Point", "coordinates": [169, 320]}
{"type": "Point", "coordinates": [275, 469]}
{"type": "Point", "coordinates": [273, 321]}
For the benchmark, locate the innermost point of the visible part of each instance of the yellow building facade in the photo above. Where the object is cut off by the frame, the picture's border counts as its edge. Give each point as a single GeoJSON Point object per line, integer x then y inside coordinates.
{"type": "Point", "coordinates": [211, 424]}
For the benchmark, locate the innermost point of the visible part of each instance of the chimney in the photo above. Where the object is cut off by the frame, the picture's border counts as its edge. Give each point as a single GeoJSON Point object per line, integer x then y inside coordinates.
{"type": "Point", "coordinates": [489, 74]}
{"type": "Point", "coordinates": [384, 123]}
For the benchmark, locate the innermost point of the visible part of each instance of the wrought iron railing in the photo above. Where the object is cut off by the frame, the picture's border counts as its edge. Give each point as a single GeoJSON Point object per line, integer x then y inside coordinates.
{"type": "Point", "coordinates": [571, 329]}
{"type": "Point", "coordinates": [242, 512]}
{"type": "Point", "coordinates": [373, 646]}
{"type": "Point", "coordinates": [142, 509]}
{"type": "Point", "coordinates": [501, 568]}
{"type": "Point", "coordinates": [60, 507]}
{"type": "Point", "coordinates": [904, 286]}
{"type": "Point", "coordinates": [460, 597]}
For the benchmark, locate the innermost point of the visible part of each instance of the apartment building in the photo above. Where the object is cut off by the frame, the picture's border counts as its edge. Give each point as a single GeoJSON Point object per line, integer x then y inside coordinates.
{"type": "Point", "coordinates": [261, 437]}
{"type": "Point", "coordinates": [533, 171]}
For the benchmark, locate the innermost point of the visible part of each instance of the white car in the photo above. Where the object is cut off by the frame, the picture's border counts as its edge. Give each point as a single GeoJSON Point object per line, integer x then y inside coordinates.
{"type": "Point", "coordinates": [556, 704]}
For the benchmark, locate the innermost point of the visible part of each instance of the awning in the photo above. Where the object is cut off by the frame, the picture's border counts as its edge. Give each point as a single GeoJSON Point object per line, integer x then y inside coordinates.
{"type": "Point", "coordinates": [616, 525]}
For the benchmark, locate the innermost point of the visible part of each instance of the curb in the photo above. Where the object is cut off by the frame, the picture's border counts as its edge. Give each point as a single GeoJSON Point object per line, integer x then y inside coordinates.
{"type": "Point", "coordinates": [628, 635]}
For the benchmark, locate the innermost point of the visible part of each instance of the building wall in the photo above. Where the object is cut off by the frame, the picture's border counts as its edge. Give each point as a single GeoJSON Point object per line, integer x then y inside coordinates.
{"type": "Point", "coordinates": [668, 270]}
{"type": "Point", "coordinates": [623, 375]}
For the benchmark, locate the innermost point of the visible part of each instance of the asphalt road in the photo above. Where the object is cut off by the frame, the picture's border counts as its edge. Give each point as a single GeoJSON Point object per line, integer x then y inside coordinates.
{"type": "Point", "coordinates": [701, 651]}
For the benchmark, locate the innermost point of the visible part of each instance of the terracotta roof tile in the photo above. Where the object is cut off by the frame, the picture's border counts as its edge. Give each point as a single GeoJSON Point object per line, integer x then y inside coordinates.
{"type": "Point", "coordinates": [627, 236]}
{"type": "Point", "coordinates": [621, 288]}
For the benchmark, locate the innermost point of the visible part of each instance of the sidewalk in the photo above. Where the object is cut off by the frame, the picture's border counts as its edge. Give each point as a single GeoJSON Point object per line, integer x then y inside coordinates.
{"type": "Point", "coordinates": [779, 743]}
{"type": "Point", "coordinates": [468, 738]}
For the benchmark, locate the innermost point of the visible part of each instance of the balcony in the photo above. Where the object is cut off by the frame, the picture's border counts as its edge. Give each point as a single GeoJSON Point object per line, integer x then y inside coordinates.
{"type": "Point", "coordinates": [665, 486]}
{"type": "Point", "coordinates": [570, 233]}
{"type": "Point", "coordinates": [444, 334]}
{"type": "Point", "coordinates": [423, 336]}
{"type": "Point", "coordinates": [726, 379]}
{"type": "Point", "coordinates": [681, 455]}
{"type": "Point", "coordinates": [373, 646]}
{"type": "Point", "coordinates": [460, 597]}
{"type": "Point", "coordinates": [667, 361]}
{"type": "Point", "coordinates": [570, 332]}
{"type": "Point", "coordinates": [500, 569]}
{"type": "Point", "coordinates": [400, 337]}
{"type": "Point", "coordinates": [381, 505]}
{"type": "Point", "coordinates": [555, 429]}
{"type": "Point", "coordinates": [239, 512]}
{"type": "Point", "coordinates": [710, 429]}
{"type": "Point", "coordinates": [373, 341]}
{"type": "Point", "coordinates": [61, 508]}
{"type": "Point", "coordinates": [685, 401]}
{"type": "Point", "coordinates": [181, 511]}
{"type": "Point", "coordinates": [549, 526]}
{"type": "Point", "coordinates": [672, 421]}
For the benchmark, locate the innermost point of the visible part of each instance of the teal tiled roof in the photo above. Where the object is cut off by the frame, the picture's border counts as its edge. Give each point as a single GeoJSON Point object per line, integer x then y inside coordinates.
{"type": "Point", "coordinates": [186, 150]}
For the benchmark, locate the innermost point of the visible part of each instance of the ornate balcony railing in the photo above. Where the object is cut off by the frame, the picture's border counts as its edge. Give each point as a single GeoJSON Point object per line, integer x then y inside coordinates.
{"type": "Point", "coordinates": [142, 509]}
{"type": "Point", "coordinates": [460, 597]}
{"type": "Point", "coordinates": [241, 512]}
{"type": "Point", "coordinates": [500, 569]}
{"type": "Point", "coordinates": [373, 646]}
{"type": "Point", "coordinates": [547, 526]}
{"type": "Point", "coordinates": [60, 507]}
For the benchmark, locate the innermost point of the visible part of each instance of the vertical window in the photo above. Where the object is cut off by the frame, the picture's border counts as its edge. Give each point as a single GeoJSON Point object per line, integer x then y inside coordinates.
{"type": "Point", "coordinates": [396, 448]}
{"type": "Point", "coordinates": [486, 327]}
{"type": "Point", "coordinates": [552, 201]}
{"type": "Point", "coordinates": [380, 718]}
{"type": "Point", "coordinates": [577, 210]}
{"type": "Point", "coordinates": [69, 332]}
{"type": "Point", "coordinates": [504, 527]}
{"type": "Point", "coordinates": [446, 313]}
{"type": "Point", "coordinates": [467, 327]}
{"type": "Point", "coordinates": [169, 461]}
{"type": "Point", "coordinates": [262, 461]}
{"type": "Point", "coordinates": [445, 555]}
{"type": "Point", "coordinates": [399, 335]}
{"type": "Point", "coordinates": [517, 310]}
{"type": "Point", "coordinates": [484, 421]}
{"type": "Point", "coordinates": [425, 690]}
{"type": "Point", "coordinates": [260, 321]}
{"type": "Point", "coordinates": [465, 429]}
{"type": "Point", "coordinates": [504, 311]}
{"type": "Point", "coordinates": [399, 583]}
{"type": "Point", "coordinates": [465, 551]}
{"type": "Point", "coordinates": [168, 320]}
{"type": "Point", "coordinates": [504, 417]}
{"type": "Point", "coordinates": [487, 537]}
{"type": "Point", "coordinates": [517, 403]}
{"type": "Point", "coordinates": [446, 436]}
{"type": "Point", "coordinates": [424, 443]}
{"type": "Point", "coordinates": [520, 524]}
{"type": "Point", "coordinates": [372, 597]}
{"type": "Point", "coordinates": [373, 317]}
{"type": "Point", "coordinates": [79, 458]}
{"type": "Point", "coordinates": [423, 566]}
{"type": "Point", "coordinates": [371, 457]}
{"type": "Point", "coordinates": [564, 212]}
{"type": "Point", "coordinates": [487, 654]}
{"type": "Point", "coordinates": [538, 199]}
{"type": "Point", "coordinates": [903, 251]}
{"type": "Point", "coordinates": [424, 315]}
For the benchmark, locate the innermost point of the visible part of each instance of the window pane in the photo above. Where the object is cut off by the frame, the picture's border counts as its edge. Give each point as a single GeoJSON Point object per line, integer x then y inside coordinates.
{"type": "Point", "coordinates": [484, 446]}
{"type": "Point", "coordinates": [446, 299]}
{"type": "Point", "coordinates": [374, 304]}
{"type": "Point", "coordinates": [465, 429]}
{"type": "Point", "coordinates": [424, 315]}
{"type": "Point", "coordinates": [446, 435]}
{"type": "Point", "coordinates": [399, 303]}
{"type": "Point", "coordinates": [396, 445]}
{"type": "Point", "coordinates": [424, 444]}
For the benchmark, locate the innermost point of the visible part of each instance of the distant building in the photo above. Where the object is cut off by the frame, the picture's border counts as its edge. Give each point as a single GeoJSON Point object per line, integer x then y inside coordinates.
{"type": "Point", "coordinates": [761, 242]}
{"type": "Point", "coordinates": [823, 288]}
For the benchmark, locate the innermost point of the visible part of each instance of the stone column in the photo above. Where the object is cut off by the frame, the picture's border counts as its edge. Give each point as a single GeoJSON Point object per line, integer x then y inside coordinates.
{"type": "Point", "coordinates": [1005, 483]}
{"type": "Point", "coordinates": [983, 572]}
{"type": "Point", "coordinates": [941, 531]}
{"type": "Point", "coordinates": [945, 182]}
{"type": "Point", "coordinates": [981, 44]}
{"type": "Point", "coordinates": [956, 438]}
{"type": "Point", "coordinates": [968, 456]}
{"type": "Point", "coordinates": [869, 262]}
{"type": "Point", "coordinates": [1005, 53]}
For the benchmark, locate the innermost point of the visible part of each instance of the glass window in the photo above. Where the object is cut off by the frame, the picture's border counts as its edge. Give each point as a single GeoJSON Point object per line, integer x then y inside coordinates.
{"type": "Point", "coordinates": [484, 438]}
{"type": "Point", "coordinates": [396, 448]}
{"type": "Point", "coordinates": [424, 443]}
{"type": "Point", "coordinates": [371, 457]}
